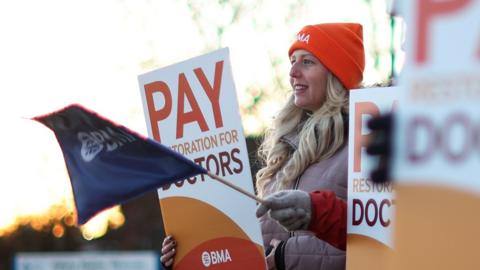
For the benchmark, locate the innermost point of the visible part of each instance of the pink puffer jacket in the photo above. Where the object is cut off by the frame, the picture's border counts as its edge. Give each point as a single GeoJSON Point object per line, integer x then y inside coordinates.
{"type": "Point", "coordinates": [302, 249]}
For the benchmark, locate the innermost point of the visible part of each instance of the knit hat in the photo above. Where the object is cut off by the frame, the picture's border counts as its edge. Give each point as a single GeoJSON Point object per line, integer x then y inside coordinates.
{"type": "Point", "coordinates": [339, 46]}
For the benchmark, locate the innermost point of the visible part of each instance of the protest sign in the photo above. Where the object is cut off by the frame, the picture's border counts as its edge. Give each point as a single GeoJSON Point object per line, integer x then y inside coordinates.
{"type": "Point", "coordinates": [370, 205]}
{"type": "Point", "coordinates": [192, 107]}
{"type": "Point", "coordinates": [437, 131]}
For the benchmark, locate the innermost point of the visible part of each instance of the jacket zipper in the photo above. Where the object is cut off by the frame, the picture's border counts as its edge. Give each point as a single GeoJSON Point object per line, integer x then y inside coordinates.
{"type": "Point", "coordinates": [295, 187]}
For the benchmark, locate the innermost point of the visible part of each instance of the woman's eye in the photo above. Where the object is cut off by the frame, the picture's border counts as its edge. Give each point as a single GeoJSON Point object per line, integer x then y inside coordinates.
{"type": "Point", "coordinates": [307, 61]}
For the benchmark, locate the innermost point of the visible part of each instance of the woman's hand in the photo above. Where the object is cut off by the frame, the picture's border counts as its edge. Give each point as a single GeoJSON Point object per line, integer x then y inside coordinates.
{"type": "Point", "coordinates": [292, 209]}
{"type": "Point", "coordinates": [168, 251]}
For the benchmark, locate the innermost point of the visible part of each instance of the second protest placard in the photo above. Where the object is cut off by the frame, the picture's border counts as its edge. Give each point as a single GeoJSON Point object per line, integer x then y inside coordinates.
{"type": "Point", "coordinates": [192, 107]}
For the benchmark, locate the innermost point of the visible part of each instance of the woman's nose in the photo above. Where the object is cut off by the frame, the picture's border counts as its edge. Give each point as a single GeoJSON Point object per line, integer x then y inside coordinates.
{"type": "Point", "coordinates": [294, 72]}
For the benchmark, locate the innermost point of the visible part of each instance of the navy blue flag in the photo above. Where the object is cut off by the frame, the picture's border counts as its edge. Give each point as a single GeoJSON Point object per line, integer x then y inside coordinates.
{"type": "Point", "coordinates": [109, 164]}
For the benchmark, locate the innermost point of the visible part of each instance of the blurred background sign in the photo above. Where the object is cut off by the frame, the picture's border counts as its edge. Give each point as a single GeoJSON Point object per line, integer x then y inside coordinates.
{"type": "Point", "coordinates": [137, 260]}
{"type": "Point", "coordinates": [437, 145]}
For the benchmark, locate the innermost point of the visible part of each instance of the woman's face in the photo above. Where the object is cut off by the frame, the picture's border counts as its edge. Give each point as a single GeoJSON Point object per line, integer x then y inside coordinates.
{"type": "Point", "coordinates": [308, 78]}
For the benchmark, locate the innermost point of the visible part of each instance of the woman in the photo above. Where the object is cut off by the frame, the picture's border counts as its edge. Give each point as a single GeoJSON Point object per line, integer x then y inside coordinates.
{"type": "Point", "coordinates": [306, 147]}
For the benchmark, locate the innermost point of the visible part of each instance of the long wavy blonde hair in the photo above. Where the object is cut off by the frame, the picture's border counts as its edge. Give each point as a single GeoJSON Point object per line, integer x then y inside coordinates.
{"type": "Point", "coordinates": [320, 133]}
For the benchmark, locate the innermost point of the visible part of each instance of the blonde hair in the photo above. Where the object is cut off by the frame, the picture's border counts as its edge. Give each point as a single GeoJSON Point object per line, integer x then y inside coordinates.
{"type": "Point", "coordinates": [320, 135]}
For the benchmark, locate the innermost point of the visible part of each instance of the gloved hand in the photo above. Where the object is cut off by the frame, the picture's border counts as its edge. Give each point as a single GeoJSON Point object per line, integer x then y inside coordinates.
{"type": "Point", "coordinates": [292, 209]}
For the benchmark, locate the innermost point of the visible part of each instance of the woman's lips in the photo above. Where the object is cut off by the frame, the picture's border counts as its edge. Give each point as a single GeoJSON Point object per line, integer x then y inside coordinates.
{"type": "Point", "coordinates": [299, 88]}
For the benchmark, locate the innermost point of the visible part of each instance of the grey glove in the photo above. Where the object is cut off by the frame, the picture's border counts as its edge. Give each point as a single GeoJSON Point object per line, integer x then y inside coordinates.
{"type": "Point", "coordinates": [292, 209]}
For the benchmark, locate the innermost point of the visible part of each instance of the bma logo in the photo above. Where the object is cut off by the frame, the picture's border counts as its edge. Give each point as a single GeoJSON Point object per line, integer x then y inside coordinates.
{"type": "Point", "coordinates": [302, 37]}
{"type": "Point", "coordinates": [95, 141]}
{"type": "Point", "coordinates": [215, 257]}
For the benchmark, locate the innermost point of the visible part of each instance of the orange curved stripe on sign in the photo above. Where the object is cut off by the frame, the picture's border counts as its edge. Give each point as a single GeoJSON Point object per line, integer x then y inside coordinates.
{"type": "Point", "coordinates": [367, 253]}
{"type": "Point", "coordinates": [436, 227]}
{"type": "Point", "coordinates": [193, 222]}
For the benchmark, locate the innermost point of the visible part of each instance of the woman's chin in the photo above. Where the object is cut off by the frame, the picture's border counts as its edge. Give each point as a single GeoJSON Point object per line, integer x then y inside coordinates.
{"type": "Point", "coordinates": [300, 103]}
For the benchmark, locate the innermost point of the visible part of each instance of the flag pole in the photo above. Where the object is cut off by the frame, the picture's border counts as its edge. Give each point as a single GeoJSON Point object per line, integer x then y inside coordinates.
{"type": "Point", "coordinates": [244, 192]}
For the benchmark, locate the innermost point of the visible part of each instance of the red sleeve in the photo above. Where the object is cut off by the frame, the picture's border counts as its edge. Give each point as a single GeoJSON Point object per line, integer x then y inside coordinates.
{"type": "Point", "coordinates": [329, 218]}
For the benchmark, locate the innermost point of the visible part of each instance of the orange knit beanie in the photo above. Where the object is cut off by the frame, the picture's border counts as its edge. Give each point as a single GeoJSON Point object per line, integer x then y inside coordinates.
{"type": "Point", "coordinates": [339, 46]}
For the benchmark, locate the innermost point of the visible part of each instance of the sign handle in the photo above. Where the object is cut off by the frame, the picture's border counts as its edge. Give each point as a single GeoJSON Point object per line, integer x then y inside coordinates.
{"type": "Point", "coordinates": [244, 192]}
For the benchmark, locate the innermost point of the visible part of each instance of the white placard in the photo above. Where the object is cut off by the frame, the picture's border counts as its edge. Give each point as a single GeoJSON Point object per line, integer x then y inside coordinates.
{"type": "Point", "coordinates": [370, 205]}
{"type": "Point", "coordinates": [192, 107]}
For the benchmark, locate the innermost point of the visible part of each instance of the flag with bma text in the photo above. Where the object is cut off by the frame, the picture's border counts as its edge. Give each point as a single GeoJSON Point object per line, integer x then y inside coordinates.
{"type": "Point", "coordinates": [109, 164]}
